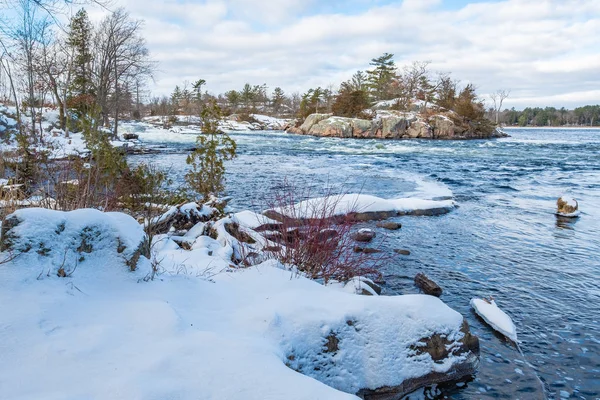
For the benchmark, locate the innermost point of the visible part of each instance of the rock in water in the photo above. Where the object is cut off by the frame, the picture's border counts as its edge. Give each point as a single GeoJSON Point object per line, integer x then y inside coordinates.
{"type": "Point", "coordinates": [364, 235]}
{"type": "Point", "coordinates": [495, 317]}
{"type": "Point", "coordinates": [390, 225]}
{"type": "Point", "coordinates": [567, 206]}
{"type": "Point", "coordinates": [427, 285]}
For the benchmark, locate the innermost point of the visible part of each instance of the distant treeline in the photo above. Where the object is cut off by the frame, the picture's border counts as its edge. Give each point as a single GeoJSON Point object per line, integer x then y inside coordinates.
{"type": "Point", "coordinates": [551, 116]}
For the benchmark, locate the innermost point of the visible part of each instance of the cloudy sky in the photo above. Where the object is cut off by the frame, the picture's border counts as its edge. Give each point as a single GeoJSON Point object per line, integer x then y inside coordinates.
{"type": "Point", "coordinates": [547, 52]}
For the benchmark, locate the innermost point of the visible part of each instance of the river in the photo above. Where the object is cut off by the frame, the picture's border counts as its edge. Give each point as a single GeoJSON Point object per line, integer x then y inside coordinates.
{"type": "Point", "coordinates": [502, 240]}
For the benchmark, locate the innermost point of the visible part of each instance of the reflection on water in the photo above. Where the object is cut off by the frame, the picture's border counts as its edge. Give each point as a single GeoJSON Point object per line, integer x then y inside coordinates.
{"type": "Point", "coordinates": [565, 222]}
{"type": "Point", "coordinates": [502, 240]}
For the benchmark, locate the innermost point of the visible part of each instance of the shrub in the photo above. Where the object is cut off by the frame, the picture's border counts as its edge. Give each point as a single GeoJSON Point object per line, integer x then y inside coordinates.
{"type": "Point", "coordinates": [351, 104]}
{"type": "Point", "coordinates": [316, 240]}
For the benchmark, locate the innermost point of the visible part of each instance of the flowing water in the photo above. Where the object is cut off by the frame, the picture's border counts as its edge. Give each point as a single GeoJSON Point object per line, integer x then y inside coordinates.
{"type": "Point", "coordinates": [503, 239]}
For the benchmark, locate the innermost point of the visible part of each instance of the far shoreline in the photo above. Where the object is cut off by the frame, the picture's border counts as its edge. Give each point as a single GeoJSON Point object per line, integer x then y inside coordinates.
{"type": "Point", "coordinates": [551, 127]}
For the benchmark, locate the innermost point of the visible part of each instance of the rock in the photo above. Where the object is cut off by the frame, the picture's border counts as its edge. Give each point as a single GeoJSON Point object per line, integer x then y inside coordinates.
{"type": "Point", "coordinates": [419, 129]}
{"type": "Point", "coordinates": [362, 286]}
{"type": "Point", "coordinates": [311, 120]}
{"type": "Point", "coordinates": [403, 252]}
{"type": "Point", "coordinates": [332, 127]}
{"type": "Point", "coordinates": [366, 250]}
{"type": "Point", "coordinates": [390, 225]}
{"type": "Point", "coordinates": [185, 216]}
{"type": "Point", "coordinates": [130, 136]}
{"type": "Point", "coordinates": [427, 286]}
{"type": "Point", "coordinates": [567, 206]}
{"type": "Point", "coordinates": [439, 348]}
{"type": "Point", "coordinates": [396, 125]}
{"type": "Point", "coordinates": [364, 235]}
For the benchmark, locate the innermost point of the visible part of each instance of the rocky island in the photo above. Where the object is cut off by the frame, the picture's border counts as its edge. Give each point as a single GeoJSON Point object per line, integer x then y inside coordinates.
{"type": "Point", "coordinates": [391, 124]}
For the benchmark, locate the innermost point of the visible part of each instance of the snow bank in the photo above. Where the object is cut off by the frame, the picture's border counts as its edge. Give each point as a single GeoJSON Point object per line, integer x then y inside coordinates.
{"type": "Point", "coordinates": [361, 204]}
{"type": "Point", "coordinates": [495, 317]}
{"type": "Point", "coordinates": [189, 338]}
{"type": "Point", "coordinates": [203, 330]}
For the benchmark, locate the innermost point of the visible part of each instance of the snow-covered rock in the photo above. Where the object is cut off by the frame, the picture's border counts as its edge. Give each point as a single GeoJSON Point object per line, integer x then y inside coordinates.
{"type": "Point", "coordinates": [489, 311]}
{"type": "Point", "coordinates": [567, 206]}
{"type": "Point", "coordinates": [65, 240]}
{"type": "Point", "coordinates": [183, 217]}
{"type": "Point", "coordinates": [361, 206]}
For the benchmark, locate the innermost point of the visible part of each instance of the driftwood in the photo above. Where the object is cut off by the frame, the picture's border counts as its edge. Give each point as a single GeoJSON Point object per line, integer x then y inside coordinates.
{"type": "Point", "coordinates": [427, 286]}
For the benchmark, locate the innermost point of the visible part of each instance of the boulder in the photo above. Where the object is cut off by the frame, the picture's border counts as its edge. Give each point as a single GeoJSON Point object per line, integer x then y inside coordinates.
{"type": "Point", "coordinates": [390, 225]}
{"type": "Point", "coordinates": [439, 348]}
{"type": "Point", "coordinates": [393, 127]}
{"type": "Point", "coordinates": [427, 286]}
{"type": "Point", "coordinates": [364, 235]}
{"type": "Point", "coordinates": [442, 127]}
{"type": "Point", "coordinates": [421, 347]}
{"type": "Point", "coordinates": [418, 129]}
{"type": "Point", "coordinates": [332, 127]}
{"type": "Point", "coordinates": [311, 120]}
{"type": "Point", "coordinates": [130, 136]}
{"type": "Point", "coordinates": [567, 206]}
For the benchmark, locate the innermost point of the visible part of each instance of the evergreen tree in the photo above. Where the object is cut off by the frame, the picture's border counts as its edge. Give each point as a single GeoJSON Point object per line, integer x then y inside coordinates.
{"type": "Point", "coordinates": [214, 147]}
{"type": "Point", "coordinates": [278, 99]}
{"type": "Point", "coordinates": [80, 40]}
{"type": "Point", "coordinates": [381, 76]}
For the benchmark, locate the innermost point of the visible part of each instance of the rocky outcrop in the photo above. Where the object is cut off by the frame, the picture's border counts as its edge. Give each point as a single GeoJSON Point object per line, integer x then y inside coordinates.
{"type": "Point", "coordinates": [394, 125]}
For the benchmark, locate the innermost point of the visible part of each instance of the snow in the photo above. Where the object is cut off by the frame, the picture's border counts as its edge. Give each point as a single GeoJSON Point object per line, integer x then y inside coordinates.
{"type": "Point", "coordinates": [363, 203]}
{"type": "Point", "coordinates": [55, 141]}
{"type": "Point", "coordinates": [59, 235]}
{"type": "Point", "coordinates": [200, 330]}
{"type": "Point", "coordinates": [252, 220]}
{"type": "Point", "coordinates": [495, 317]}
{"type": "Point", "coordinates": [191, 123]}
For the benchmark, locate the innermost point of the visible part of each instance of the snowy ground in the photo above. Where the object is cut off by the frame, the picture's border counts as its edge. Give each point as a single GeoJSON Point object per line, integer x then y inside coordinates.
{"type": "Point", "coordinates": [200, 330]}
{"type": "Point", "coordinates": [191, 122]}
{"type": "Point", "coordinates": [55, 141]}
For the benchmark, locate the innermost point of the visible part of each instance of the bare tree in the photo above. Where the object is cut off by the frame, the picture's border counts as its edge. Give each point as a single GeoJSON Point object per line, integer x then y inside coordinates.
{"type": "Point", "coordinates": [121, 57]}
{"type": "Point", "coordinates": [498, 98]}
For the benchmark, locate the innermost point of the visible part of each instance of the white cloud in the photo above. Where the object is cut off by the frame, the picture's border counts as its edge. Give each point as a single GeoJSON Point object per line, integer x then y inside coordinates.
{"type": "Point", "coordinates": [544, 51]}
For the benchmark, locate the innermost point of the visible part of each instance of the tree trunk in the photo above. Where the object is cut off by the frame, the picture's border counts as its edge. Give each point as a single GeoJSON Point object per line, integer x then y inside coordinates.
{"type": "Point", "coordinates": [116, 122]}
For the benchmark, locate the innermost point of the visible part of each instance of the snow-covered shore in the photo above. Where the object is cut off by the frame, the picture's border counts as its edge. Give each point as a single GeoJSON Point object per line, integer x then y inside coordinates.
{"type": "Point", "coordinates": [204, 327]}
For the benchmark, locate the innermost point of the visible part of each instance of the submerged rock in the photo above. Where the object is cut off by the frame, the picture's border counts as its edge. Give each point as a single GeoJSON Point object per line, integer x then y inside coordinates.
{"type": "Point", "coordinates": [390, 225]}
{"type": "Point", "coordinates": [402, 252]}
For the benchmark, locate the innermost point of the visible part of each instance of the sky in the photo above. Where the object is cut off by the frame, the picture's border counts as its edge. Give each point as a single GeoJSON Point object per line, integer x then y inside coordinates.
{"type": "Point", "coordinates": [546, 52]}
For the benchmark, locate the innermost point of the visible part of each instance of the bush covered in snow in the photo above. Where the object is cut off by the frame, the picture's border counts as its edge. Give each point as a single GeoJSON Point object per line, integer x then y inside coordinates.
{"type": "Point", "coordinates": [63, 240]}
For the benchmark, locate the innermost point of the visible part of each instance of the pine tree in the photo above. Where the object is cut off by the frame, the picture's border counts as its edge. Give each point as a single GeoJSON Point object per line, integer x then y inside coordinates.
{"type": "Point", "coordinates": [214, 147]}
{"type": "Point", "coordinates": [80, 40]}
{"type": "Point", "coordinates": [278, 99]}
{"type": "Point", "coordinates": [380, 77]}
